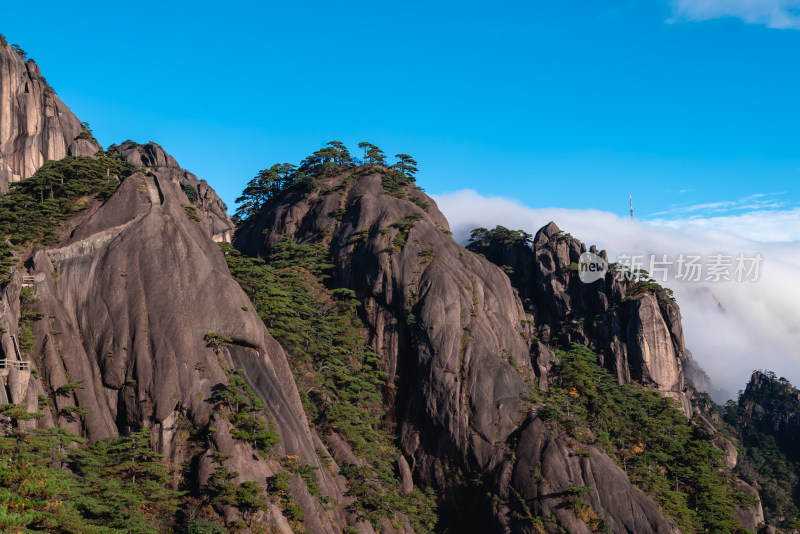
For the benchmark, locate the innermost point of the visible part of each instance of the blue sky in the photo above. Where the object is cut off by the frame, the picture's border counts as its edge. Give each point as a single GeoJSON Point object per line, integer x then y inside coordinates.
{"type": "Point", "coordinates": [681, 103]}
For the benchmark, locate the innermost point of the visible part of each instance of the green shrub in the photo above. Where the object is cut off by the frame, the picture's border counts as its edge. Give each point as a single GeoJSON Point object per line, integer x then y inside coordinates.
{"type": "Point", "coordinates": [240, 405]}
{"type": "Point", "coordinates": [216, 341]}
{"type": "Point", "coordinates": [74, 410]}
{"type": "Point", "coordinates": [190, 193]}
{"type": "Point", "coordinates": [404, 226]}
{"type": "Point", "coordinates": [393, 182]}
{"type": "Point", "coordinates": [69, 387]}
{"type": "Point", "coordinates": [191, 211]}
{"type": "Point", "coordinates": [421, 203]}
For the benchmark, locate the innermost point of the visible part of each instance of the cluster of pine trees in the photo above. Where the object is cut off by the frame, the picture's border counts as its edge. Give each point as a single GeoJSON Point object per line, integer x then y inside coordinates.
{"type": "Point", "coordinates": [332, 159]}
{"type": "Point", "coordinates": [54, 481]}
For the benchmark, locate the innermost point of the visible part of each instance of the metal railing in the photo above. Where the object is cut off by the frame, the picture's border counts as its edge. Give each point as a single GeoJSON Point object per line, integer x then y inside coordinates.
{"type": "Point", "coordinates": [15, 364]}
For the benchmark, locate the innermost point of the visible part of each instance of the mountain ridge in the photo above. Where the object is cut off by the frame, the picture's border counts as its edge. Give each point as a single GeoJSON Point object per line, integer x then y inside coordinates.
{"type": "Point", "coordinates": [509, 394]}
{"type": "Point", "coordinates": [429, 300]}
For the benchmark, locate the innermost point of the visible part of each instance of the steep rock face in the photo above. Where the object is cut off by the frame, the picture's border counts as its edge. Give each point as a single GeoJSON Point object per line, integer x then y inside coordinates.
{"type": "Point", "coordinates": [127, 299]}
{"type": "Point", "coordinates": [444, 325]}
{"type": "Point", "coordinates": [451, 331]}
{"type": "Point", "coordinates": [151, 156]}
{"type": "Point", "coordinates": [551, 457]}
{"type": "Point", "coordinates": [775, 406]}
{"type": "Point", "coordinates": [35, 125]}
{"type": "Point", "coordinates": [637, 329]}
{"type": "Point", "coordinates": [767, 416]}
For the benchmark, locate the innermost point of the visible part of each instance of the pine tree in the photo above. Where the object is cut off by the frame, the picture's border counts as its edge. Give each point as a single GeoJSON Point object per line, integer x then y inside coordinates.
{"type": "Point", "coordinates": [406, 165]}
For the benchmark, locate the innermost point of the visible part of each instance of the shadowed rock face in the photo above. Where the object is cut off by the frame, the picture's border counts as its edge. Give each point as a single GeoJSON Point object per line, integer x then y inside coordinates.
{"type": "Point", "coordinates": [35, 125]}
{"type": "Point", "coordinates": [638, 331]}
{"type": "Point", "coordinates": [450, 329]}
{"type": "Point", "coordinates": [774, 405]}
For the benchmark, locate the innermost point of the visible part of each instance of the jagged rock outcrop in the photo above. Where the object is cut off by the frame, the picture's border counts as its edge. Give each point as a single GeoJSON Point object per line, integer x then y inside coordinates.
{"type": "Point", "coordinates": [637, 329]}
{"type": "Point", "coordinates": [152, 157]}
{"type": "Point", "coordinates": [453, 336]}
{"type": "Point", "coordinates": [774, 405]}
{"type": "Point", "coordinates": [767, 418]}
{"type": "Point", "coordinates": [35, 125]}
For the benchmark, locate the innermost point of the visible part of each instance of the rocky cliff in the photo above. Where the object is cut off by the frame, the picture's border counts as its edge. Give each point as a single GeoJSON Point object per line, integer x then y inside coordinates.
{"type": "Point", "coordinates": [133, 320]}
{"type": "Point", "coordinates": [127, 301]}
{"type": "Point", "coordinates": [35, 125]}
{"type": "Point", "coordinates": [774, 405]}
{"type": "Point", "coordinates": [161, 165]}
{"type": "Point", "coordinates": [766, 420]}
{"type": "Point", "coordinates": [636, 326]}
{"type": "Point", "coordinates": [455, 340]}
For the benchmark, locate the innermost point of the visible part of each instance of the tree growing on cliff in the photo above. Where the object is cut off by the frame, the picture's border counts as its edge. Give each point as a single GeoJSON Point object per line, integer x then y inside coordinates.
{"type": "Point", "coordinates": [372, 154]}
{"type": "Point", "coordinates": [240, 405]}
{"type": "Point", "coordinates": [406, 164]}
{"type": "Point", "coordinates": [339, 153]}
{"type": "Point", "coordinates": [327, 161]}
{"type": "Point", "coordinates": [265, 186]}
{"type": "Point", "coordinates": [20, 52]}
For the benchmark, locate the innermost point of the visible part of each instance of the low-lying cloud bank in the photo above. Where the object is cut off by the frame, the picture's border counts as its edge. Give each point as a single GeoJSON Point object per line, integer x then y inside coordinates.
{"type": "Point", "coordinates": [731, 328]}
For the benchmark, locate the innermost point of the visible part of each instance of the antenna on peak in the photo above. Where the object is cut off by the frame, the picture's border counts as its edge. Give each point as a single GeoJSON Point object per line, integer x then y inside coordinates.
{"type": "Point", "coordinates": [631, 201]}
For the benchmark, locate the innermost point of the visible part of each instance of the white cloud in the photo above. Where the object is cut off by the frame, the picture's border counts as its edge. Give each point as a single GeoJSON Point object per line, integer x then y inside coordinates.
{"type": "Point", "coordinates": [759, 201]}
{"type": "Point", "coordinates": [782, 14]}
{"type": "Point", "coordinates": [764, 225]}
{"type": "Point", "coordinates": [731, 328]}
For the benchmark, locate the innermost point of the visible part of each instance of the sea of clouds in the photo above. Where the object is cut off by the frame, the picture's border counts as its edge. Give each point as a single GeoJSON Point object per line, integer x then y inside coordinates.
{"type": "Point", "coordinates": [731, 328]}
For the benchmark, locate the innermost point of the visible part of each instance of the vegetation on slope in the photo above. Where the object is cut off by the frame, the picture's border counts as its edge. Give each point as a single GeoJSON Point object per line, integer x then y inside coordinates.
{"type": "Point", "coordinates": [765, 417]}
{"type": "Point", "coordinates": [31, 212]}
{"type": "Point", "coordinates": [336, 371]}
{"type": "Point", "coordinates": [647, 436]}
{"type": "Point", "coordinates": [237, 403]}
{"type": "Point", "coordinates": [54, 481]}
